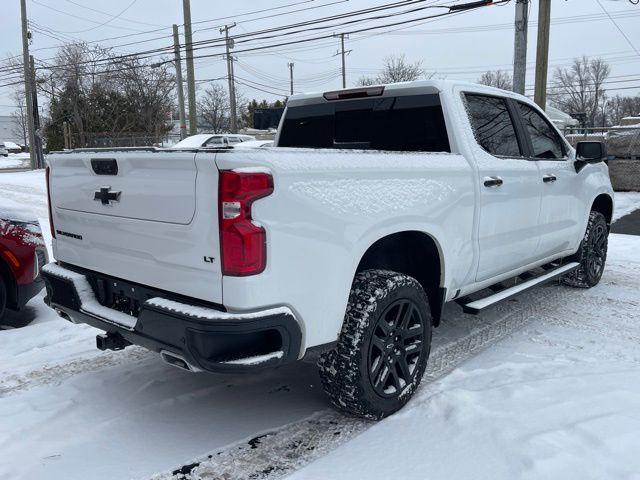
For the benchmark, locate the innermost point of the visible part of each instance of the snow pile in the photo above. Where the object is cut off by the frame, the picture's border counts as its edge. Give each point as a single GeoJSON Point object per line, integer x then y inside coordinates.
{"type": "Point", "coordinates": [13, 162]}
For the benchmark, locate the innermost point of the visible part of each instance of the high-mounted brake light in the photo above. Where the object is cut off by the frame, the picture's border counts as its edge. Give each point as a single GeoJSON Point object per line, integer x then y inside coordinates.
{"type": "Point", "coordinates": [243, 244]}
{"type": "Point", "coordinates": [354, 93]}
{"type": "Point", "coordinates": [48, 179]}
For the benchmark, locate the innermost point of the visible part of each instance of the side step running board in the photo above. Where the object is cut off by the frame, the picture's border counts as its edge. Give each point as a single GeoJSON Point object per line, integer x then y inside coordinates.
{"type": "Point", "coordinates": [477, 306]}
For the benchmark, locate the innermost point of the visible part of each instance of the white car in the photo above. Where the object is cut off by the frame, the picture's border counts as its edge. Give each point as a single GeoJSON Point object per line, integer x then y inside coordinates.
{"type": "Point", "coordinates": [379, 205]}
{"type": "Point", "coordinates": [3, 151]}
{"type": "Point", "coordinates": [11, 147]}
{"type": "Point", "coordinates": [207, 140]}
{"type": "Point", "coordinates": [254, 144]}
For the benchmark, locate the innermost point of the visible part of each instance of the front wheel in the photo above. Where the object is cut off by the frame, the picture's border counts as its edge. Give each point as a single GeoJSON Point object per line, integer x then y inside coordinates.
{"type": "Point", "coordinates": [592, 254]}
{"type": "Point", "coordinates": [383, 348]}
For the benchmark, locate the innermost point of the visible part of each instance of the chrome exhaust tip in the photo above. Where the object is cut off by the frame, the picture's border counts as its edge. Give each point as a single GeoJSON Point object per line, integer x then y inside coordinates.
{"type": "Point", "coordinates": [177, 361]}
{"type": "Point", "coordinates": [64, 315]}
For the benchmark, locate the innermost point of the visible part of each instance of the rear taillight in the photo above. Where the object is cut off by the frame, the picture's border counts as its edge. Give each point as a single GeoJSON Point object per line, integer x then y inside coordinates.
{"type": "Point", "coordinates": [243, 245]}
{"type": "Point", "coordinates": [48, 177]}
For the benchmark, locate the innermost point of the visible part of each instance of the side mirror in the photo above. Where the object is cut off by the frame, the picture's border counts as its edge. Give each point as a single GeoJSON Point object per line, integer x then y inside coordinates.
{"type": "Point", "coordinates": [589, 152]}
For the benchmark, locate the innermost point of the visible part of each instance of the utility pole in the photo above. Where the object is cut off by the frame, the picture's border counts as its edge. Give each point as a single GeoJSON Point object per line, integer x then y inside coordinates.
{"type": "Point", "coordinates": [191, 76]}
{"type": "Point", "coordinates": [290, 65]}
{"type": "Point", "coordinates": [520, 46]}
{"type": "Point", "coordinates": [27, 82]}
{"type": "Point", "coordinates": [232, 84]}
{"type": "Point", "coordinates": [343, 53]}
{"type": "Point", "coordinates": [36, 116]}
{"type": "Point", "coordinates": [542, 53]}
{"type": "Point", "coordinates": [178, 62]}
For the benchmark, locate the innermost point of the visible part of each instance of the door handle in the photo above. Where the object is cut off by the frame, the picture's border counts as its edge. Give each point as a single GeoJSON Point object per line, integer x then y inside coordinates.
{"type": "Point", "coordinates": [492, 182]}
{"type": "Point", "coordinates": [549, 178]}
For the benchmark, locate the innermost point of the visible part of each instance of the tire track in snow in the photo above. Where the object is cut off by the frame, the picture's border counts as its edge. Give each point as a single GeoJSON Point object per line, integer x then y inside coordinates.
{"type": "Point", "coordinates": [56, 374]}
{"type": "Point", "coordinates": [276, 453]}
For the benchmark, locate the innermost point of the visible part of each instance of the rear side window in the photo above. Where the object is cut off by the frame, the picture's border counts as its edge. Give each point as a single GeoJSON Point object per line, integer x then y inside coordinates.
{"type": "Point", "coordinates": [492, 125]}
{"type": "Point", "coordinates": [405, 123]}
{"type": "Point", "coordinates": [546, 143]}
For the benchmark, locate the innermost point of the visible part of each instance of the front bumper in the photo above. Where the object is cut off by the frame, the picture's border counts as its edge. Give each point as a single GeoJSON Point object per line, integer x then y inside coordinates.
{"type": "Point", "coordinates": [204, 336]}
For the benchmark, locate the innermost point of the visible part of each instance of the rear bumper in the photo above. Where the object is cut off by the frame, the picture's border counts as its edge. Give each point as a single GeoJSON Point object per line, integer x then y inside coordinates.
{"type": "Point", "coordinates": [205, 337]}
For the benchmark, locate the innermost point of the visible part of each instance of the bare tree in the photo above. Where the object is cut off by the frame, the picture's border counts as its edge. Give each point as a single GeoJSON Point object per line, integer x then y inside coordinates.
{"type": "Point", "coordinates": [579, 89]}
{"type": "Point", "coordinates": [497, 79]}
{"type": "Point", "coordinates": [148, 91]}
{"type": "Point", "coordinates": [619, 107]}
{"type": "Point", "coordinates": [104, 96]}
{"type": "Point", "coordinates": [214, 108]}
{"type": "Point", "coordinates": [19, 115]}
{"type": "Point", "coordinates": [396, 69]}
{"type": "Point", "coordinates": [77, 73]}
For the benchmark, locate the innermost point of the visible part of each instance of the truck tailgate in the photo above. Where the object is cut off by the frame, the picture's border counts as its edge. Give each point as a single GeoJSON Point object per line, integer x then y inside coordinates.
{"type": "Point", "coordinates": [141, 222]}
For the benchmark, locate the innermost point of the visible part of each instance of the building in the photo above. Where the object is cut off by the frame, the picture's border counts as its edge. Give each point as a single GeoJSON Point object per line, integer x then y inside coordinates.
{"type": "Point", "coordinates": [7, 130]}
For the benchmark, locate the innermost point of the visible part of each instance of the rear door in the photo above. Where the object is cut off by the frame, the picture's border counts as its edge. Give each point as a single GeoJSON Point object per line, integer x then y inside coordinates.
{"type": "Point", "coordinates": [149, 217]}
{"type": "Point", "coordinates": [561, 208]}
{"type": "Point", "coordinates": [510, 188]}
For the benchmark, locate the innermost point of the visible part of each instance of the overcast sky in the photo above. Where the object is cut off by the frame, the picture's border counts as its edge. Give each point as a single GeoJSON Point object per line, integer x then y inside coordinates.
{"type": "Point", "coordinates": [459, 46]}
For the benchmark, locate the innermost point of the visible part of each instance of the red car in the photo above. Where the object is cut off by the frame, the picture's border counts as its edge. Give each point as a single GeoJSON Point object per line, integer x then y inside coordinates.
{"type": "Point", "coordinates": [22, 255]}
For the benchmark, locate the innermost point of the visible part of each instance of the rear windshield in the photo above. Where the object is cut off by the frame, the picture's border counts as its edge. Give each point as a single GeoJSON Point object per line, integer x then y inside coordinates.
{"type": "Point", "coordinates": [405, 123]}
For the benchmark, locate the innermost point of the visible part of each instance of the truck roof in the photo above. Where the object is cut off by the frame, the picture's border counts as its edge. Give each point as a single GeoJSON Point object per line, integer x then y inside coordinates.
{"type": "Point", "coordinates": [404, 88]}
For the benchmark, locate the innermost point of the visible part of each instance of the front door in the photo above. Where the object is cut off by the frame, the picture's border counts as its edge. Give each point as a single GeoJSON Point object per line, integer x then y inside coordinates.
{"type": "Point", "coordinates": [510, 188]}
{"type": "Point", "coordinates": [561, 211]}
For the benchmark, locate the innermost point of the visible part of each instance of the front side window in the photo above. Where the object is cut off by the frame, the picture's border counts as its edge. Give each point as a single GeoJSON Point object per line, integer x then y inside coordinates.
{"type": "Point", "coordinates": [545, 141]}
{"type": "Point", "coordinates": [492, 125]}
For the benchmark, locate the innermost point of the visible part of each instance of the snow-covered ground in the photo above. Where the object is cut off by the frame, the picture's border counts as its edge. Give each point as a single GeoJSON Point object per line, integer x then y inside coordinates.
{"type": "Point", "coordinates": [557, 397]}
{"type": "Point", "coordinates": [15, 160]}
{"type": "Point", "coordinates": [626, 202]}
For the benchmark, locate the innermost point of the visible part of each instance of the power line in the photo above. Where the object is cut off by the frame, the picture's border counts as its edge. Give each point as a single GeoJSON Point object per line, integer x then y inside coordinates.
{"type": "Point", "coordinates": [618, 27]}
{"type": "Point", "coordinates": [146, 32]}
{"type": "Point", "coordinates": [99, 24]}
{"type": "Point", "coordinates": [306, 40]}
{"type": "Point", "coordinates": [108, 14]}
{"type": "Point", "coordinates": [261, 89]}
{"type": "Point", "coordinates": [270, 16]}
{"type": "Point", "coordinates": [147, 53]}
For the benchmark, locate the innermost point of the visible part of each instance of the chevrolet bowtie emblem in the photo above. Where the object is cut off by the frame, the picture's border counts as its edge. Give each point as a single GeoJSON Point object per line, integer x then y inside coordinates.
{"type": "Point", "coordinates": [106, 196]}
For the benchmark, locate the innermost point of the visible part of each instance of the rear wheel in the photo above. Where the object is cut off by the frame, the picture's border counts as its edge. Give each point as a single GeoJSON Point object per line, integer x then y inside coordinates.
{"type": "Point", "coordinates": [383, 348]}
{"type": "Point", "coordinates": [592, 254]}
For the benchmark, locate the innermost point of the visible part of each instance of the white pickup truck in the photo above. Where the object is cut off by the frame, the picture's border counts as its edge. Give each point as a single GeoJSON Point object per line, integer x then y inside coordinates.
{"type": "Point", "coordinates": [376, 206]}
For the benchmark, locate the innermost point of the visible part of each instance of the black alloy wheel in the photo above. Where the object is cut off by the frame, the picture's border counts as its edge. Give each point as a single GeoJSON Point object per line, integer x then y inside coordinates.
{"type": "Point", "coordinates": [395, 348]}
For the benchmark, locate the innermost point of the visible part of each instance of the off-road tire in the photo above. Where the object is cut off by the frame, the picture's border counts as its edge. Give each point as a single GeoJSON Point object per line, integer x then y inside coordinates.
{"type": "Point", "coordinates": [347, 370]}
{"type": "Point", "coordinates": [592, 254]}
